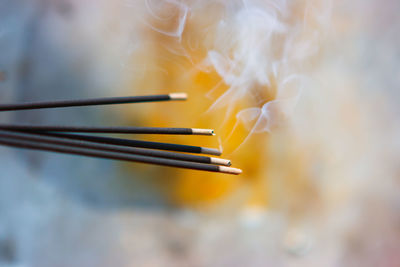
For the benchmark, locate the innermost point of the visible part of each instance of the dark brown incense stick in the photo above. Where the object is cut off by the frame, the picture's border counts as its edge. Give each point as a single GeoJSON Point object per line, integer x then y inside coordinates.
{"type": "Point", "coordinates": [117, 156]}
{"type": "Point", "coordinates": [93, 102]}
{"type": "Point", "coordinates": [103, 147]}
{"type": "Point", "coordinates": [137, 143]}
{"type": "Point", "coordinates": [115, 129]}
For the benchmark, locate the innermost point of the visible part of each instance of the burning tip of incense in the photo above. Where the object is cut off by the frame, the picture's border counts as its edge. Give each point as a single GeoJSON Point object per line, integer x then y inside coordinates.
{"type": "Point", "coordinates": [202, 131]}
{"type": "Point", "coordinates": [230, 170]}
{"type": "Point", "coordinates": [218, 161]}
{"type": "Point", "coordinates": [211, 151]}
{"type": "Point", "coordinates": [178, 96]}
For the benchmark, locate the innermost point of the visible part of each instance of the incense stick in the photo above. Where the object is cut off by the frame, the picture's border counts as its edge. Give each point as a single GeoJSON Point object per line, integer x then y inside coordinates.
{"type": "Point", "coordinates": [115, 129]}
{"type": "Point", "coordinates": [137, 143]}
{"type": "Point", "coordinates": [113, 148]}
{"type": "Point", "coordinates": [57, 138]}
{"type": "Point", "coordinates": [93, 102]}
{"type": "Point", "coordinates": [117, 156]}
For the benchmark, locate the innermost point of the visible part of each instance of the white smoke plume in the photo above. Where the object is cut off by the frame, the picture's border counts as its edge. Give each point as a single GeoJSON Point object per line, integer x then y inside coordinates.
{"type": "Point", "coordinates": [258, 48]}
{"type": "Point", "coordinates": [256, 43]}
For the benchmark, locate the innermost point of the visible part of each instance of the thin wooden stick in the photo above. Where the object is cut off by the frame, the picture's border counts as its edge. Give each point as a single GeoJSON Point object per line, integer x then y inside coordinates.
{"type": "Point", "coordinates": [136, 143]}
{"type": "Point", "coordinates": [117, 156]}
{"type": "Point", "coordinates": [115, 129]}
{"type": "Point", "coordinates": [92, 102]}
{"type": "Point", "coordinates": [113, 148]}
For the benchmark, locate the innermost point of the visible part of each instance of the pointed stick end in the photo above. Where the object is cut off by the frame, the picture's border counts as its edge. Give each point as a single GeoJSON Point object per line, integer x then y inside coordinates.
{"type": "Point", "coordinates": [211, 151]}
{"type": "Point", "coordinates": [219, 161]}
{"type": "Point", "coordinates": [230, 170]}
{"type": "Point", "coordinates": [178, 96]}
{"type": "Point", "coordinates": [202, 131]}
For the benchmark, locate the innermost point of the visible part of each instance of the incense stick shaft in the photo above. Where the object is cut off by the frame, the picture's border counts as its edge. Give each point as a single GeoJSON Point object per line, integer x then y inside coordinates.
{"type": "Point", "coordinates": [115, 129]}
{"type": "Point", "coordinates": [137, 143]}
{"type": "Point", "coordinates": [128, 150]}
{"type": "Point", "coordinates": [91, 102]}
{"type": "Point", "coordinates": [115, 156]}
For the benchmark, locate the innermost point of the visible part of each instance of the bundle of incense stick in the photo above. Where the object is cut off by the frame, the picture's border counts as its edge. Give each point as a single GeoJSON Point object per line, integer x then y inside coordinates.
{"type": "Point", "coordinates": [67, 140]}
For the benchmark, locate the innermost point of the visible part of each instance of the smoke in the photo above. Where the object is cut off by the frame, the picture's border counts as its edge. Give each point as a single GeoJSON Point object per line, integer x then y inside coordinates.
{"type": "Point", "coordinates": [258, 48]}
{"type": "Point", "coordinates": [261, 46]}
{"type": "Point", "coordinates": [178, 9]}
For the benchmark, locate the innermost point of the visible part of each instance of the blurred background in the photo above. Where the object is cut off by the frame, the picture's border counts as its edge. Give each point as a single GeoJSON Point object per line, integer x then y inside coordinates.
{"type": "Point", "coordinates": [303, 96]}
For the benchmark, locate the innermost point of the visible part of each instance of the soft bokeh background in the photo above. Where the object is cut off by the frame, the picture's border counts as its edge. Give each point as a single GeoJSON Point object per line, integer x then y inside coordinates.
{"type": "Point", "coordinates": [303, 96]}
